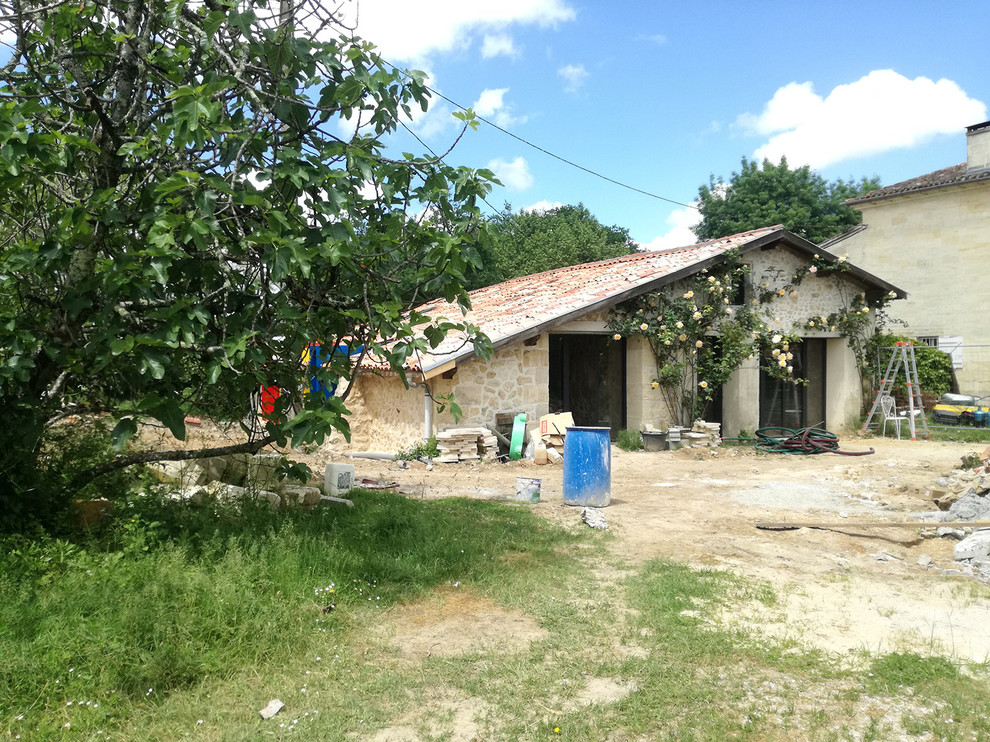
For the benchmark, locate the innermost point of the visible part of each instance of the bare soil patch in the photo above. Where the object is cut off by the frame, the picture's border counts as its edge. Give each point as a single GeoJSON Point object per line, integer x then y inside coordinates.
{"type": "Point", "coordinates": [455, 621]}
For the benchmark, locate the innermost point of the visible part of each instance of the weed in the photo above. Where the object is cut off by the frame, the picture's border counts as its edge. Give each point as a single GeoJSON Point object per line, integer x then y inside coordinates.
{"type": "Point", "coordinates": [427, 449]}
{"type": "Point", "coordinates": [629, 440]}
{"type": "Point", "coordinates": [893, 671]}
{"type": "Point", "coordinates": [173, 596]}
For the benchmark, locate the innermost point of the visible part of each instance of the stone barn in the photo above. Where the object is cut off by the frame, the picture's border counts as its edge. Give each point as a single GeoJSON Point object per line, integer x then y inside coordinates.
{"type": "Point", "coordinates": [553, 349]}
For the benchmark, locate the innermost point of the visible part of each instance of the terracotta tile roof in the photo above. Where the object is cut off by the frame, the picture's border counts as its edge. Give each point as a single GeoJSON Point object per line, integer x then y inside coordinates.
{"type": "Point", "coordinates": [948, 176]}
{"type": "Point", "coordinates": [524, 307]}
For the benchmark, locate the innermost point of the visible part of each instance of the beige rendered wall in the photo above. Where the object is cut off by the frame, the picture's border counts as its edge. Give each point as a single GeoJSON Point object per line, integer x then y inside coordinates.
{"type": "Point", "coordinates": [387, 417]}
{"type": "Point", "coordinates": [842, 386]}
{"type": "Point", "coordinates": [741, 400]}
{"type": "Point", "coordinates": [936, 246]}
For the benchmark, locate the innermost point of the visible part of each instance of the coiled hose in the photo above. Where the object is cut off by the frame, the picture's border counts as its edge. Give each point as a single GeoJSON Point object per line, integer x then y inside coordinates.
{"type": "Point", "coordinates": [805, 441]}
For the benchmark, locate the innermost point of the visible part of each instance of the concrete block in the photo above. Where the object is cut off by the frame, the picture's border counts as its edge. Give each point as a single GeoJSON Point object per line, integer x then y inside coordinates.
{"type": "Point", "coordinates": [185, 473]}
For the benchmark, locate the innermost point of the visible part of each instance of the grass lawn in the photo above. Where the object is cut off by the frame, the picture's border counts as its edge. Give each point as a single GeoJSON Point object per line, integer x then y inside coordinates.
{"type": "Point", "coordinates": [177, 622]}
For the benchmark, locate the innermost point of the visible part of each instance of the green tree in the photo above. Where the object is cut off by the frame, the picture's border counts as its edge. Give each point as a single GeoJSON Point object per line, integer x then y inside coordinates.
{"type": "Point", "coordinates": [760, 196]}
{"type": "Point", "coordinates": [527, 242]}
{"type": "Point", "coordinates": [181, 214]}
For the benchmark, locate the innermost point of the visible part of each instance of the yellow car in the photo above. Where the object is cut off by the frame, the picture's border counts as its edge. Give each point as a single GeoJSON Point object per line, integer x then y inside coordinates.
{"type": "Point", "coordinates": [961, 409]}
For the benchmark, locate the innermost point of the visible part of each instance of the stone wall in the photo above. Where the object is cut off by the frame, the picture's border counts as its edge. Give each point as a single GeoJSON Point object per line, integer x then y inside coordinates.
{"type": "Point", "coordinates": [814, 297]}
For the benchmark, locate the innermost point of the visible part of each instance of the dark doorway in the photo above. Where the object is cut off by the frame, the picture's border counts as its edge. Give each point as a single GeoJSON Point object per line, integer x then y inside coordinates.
{"type": "Point", "coordinates": [784, 404]}
{"type": "Point", "coordinates": [588, 379]}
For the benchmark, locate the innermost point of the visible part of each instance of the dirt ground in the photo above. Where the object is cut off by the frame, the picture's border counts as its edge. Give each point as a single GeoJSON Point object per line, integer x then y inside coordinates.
{"type": "Point", "coordinates": [842, 589]}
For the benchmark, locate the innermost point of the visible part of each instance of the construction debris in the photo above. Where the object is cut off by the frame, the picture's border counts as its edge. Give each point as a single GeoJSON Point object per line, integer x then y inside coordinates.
{"type": "Point", "coordinates": [964, 494]}
{"type": "Point", "coordinates": [595, 518]}
{"type": "Point", "coordinates": [704, 434]}
{"type": "Point", "coordinates": [553, 428]}
{"type": "Point", "coordinates": [466, 444]}
{"type": "Point", "coordinates": [273, 707]}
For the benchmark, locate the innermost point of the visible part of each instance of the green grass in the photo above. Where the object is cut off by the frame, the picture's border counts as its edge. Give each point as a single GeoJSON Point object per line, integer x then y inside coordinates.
{"type": "Point", "coordinates": [171, 597]}
{"type": "Point", "coordinates": [178, 622]}
{"type": "Point", "coordinates": [961, 435]}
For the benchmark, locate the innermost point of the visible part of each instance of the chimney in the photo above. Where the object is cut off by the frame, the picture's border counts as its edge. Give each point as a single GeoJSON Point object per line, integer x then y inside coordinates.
{"type": "Point", "coordinates": [978, 147]}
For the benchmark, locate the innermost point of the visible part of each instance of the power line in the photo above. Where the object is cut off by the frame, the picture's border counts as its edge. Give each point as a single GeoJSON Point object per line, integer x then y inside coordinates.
{"type": "Point", "coordinates": [562, 159]}
{"type": "Point", "coordinates": [545, 151]}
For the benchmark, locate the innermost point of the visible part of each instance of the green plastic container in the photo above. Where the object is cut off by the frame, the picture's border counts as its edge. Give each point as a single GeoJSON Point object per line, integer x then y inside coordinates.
{"type": "Point", "coordinates": [518, 437]}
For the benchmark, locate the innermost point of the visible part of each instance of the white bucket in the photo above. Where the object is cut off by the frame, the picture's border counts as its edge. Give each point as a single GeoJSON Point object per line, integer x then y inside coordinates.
{"type": "Point", "coordinates": [338, 479]}
{"type": "Point", "coordinates": [527, 489]}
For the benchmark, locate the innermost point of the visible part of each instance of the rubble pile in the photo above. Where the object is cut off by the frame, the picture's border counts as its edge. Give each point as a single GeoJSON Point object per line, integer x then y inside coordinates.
{"type": "Point", "coordinates": [964, 496]}
{"type": "Point", "coordinates": [466, 444]}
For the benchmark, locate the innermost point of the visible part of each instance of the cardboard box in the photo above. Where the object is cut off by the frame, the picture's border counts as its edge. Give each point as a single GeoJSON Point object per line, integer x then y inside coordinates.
{"type": "Point", "coordinates": [553, 428]}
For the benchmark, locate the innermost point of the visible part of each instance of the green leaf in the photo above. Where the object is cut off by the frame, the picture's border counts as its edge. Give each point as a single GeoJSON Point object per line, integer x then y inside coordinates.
{"type": "Point", "coordinates": [122, 432]}
{"type": "Point", "coordinates": [121, 345]}
{"type": "Point", "coordinates": [173, 417]}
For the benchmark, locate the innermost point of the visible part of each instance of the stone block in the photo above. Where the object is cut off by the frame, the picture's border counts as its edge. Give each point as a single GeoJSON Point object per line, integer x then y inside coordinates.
{"type": "Point", "coordinates": [975, 546]}
{"type": "Point", "coordinates": [262, 469]}
{"type": "Point", "coordinates": [303, 497]}
{"type": "Point", "coordinates": [185, 473]}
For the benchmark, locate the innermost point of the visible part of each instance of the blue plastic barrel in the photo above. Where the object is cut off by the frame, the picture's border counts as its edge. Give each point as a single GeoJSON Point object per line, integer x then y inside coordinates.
{"type": "Point", "coordinates": [587, 467]}
{"type": "Point", "coordinates": [979, 418]}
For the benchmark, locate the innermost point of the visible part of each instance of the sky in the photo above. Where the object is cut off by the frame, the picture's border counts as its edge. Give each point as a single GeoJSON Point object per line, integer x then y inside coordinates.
{"type": "Point", "coordinates": [660, 96]}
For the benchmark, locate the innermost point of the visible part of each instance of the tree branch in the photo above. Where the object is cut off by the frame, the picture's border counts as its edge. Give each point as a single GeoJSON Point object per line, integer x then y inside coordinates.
{"type": "Point", "coordinates": [122, 462]}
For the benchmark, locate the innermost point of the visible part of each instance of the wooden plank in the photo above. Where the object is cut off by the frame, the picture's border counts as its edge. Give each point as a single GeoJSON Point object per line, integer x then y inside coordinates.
{"type": "Point", "coordinates": [768, 525]}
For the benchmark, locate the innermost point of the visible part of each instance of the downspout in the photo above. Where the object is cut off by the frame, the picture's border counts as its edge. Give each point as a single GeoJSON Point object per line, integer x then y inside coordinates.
{"type": "Point", "coordinates": [427, 409]}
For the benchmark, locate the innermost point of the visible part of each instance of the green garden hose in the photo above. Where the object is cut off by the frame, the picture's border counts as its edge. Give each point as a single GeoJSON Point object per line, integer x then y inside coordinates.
{"type": "Point", "coordinates": [805, 441]}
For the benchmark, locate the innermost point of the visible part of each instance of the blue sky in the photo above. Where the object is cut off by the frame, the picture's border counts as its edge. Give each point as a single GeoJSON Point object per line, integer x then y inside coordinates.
{"type": "Point", "coordinates": [660, 95]}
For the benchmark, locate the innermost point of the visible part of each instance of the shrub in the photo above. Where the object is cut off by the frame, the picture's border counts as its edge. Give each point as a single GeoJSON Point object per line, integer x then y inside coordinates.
{"type": "Point", "coordinates": [934, 365]}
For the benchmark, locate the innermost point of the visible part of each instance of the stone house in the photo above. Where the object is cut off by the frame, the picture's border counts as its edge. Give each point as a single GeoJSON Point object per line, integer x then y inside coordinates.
{"type": "Point", "coordinates": [931, 235]}
{"type": "Point", "coordinates": [553, 350]}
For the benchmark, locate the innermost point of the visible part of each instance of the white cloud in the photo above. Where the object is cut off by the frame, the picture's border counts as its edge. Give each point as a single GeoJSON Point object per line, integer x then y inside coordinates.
{"type": "Point", "coordinates": [514, 175]}
{"type": "Point", "coordinates": [492, 106]}
{"type": "Point", "coordinates": [542, 207]}
{"type": "Point", "coordinates": [680, 222]}
{"type": "Point", "coordinates": [490, 101]}
{"type": "Point", "coordinates": [574, 76]}
{"type": "Point", "coordinates": [880, 112]}
{"type": "Point", "coordinates": [495, 44]}
{"type": "Point", "coordinates": [657, 38]}
{"type": "Point", "coordinates": [410, 31]}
